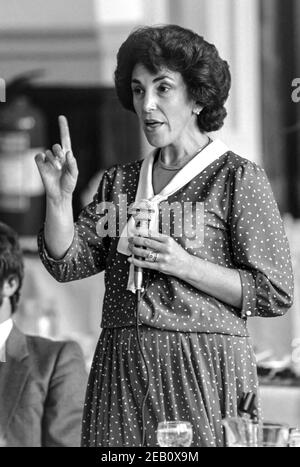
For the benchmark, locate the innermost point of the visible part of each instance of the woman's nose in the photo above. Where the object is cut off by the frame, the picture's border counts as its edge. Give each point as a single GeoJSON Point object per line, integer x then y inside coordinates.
{"type": "Point", "coordinates": [149, 103]}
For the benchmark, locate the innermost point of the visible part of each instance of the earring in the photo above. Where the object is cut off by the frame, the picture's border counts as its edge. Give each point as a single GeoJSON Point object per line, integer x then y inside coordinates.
{"type": "Point", "coordinates": [197, 112]}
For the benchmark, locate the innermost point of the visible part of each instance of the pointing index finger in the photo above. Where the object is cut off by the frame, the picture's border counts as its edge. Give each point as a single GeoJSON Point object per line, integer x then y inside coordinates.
{"type": "Point", "coordinates": [64, 133]}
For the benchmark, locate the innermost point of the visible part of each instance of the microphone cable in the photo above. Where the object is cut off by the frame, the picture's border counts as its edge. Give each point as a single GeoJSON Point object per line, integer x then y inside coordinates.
{"type": "Point", "coordinates": [138, 301]}
{"type": "Point", "coordinates": [142, 212]}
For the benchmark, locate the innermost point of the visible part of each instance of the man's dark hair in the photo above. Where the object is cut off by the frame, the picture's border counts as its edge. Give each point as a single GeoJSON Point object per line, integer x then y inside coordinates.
{"type": "Point", "coordinates": [11, 261]}
{"type": "Point", "coordinates": [205, 74]}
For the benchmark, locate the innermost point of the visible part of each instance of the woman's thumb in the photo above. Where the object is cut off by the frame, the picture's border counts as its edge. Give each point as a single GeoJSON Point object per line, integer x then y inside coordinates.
{"type": "Point", "coordinates": [40, 160]}
{"type": "Point", "coordinates": [71, 163]}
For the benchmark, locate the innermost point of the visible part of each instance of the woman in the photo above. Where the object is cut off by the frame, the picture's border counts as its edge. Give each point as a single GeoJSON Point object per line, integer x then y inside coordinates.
{"type": "Point", "coordinates": [200, 283]}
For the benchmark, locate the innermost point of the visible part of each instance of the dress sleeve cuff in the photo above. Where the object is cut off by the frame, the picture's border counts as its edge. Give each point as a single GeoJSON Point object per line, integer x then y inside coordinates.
{"type": "Point", "coordinates": [248, 294]}
{"type": "Point", "coordinates": [68, 255]}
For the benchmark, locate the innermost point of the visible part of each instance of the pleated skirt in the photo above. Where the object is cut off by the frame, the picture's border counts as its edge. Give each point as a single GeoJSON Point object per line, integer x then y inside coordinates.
{"type": "Point", "coordinates": [195, 377]}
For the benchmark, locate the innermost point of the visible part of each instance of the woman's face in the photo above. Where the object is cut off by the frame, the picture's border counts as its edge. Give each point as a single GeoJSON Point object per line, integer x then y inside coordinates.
{"type": "Point", "coordinates": [162, 104]}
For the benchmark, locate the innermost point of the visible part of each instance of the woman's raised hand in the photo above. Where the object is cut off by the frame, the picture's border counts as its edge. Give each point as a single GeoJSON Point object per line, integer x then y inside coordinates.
{"type": "Point", "coordinates": [58, 168]}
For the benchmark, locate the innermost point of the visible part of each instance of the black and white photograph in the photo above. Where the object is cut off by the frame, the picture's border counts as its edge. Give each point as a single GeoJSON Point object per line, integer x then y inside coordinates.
{"type": "Point", "coordinates": [149, 226]}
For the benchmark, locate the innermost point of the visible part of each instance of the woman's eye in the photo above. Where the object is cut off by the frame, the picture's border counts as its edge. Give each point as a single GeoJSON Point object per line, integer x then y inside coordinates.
{"type": "Point", "coordinates": [137, 91]}
{"type": "Point", "coordinates": [163, 89]}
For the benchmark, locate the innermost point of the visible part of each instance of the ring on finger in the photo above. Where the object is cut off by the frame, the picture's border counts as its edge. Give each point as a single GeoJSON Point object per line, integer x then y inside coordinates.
{"type": "Point", "coordinates": [152, 256]}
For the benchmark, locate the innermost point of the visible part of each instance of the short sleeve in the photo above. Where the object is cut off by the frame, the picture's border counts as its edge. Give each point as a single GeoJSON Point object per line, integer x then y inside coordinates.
{"type": "Point", "coordinates": [88, 251]}
{"type": "Point", "coordinates": [259, 245]}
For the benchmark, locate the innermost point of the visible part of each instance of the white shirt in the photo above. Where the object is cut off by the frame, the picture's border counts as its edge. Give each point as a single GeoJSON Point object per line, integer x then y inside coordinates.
{"type": "Point", "coordinates": [5, 329]}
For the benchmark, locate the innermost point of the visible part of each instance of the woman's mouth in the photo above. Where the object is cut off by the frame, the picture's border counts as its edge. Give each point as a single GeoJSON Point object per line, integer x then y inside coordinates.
{"type": "Point", "coordinates": [152, 125]}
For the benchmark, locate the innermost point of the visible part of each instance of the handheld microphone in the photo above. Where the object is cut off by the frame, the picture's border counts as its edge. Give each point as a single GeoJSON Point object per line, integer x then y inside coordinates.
{"type": "Point", "coordinates": [142, 212]}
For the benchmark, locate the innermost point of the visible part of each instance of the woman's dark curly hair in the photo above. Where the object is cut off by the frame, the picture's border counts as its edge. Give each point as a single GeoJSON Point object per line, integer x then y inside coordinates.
{"type": "Point", "coordinates": [206, 75]}
{"type": "Point", "coordinates": [11, 261]}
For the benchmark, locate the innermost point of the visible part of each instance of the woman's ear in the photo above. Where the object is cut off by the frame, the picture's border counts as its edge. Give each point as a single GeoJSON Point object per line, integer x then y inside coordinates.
{"type": "Point", "coordinates": [197, 108]}
{"type": "Point", "coordinates": [10, 286]}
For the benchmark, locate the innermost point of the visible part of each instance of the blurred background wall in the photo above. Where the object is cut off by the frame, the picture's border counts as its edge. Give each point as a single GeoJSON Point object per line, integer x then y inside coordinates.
{"type": "Point", "coordinates": [73, 44]}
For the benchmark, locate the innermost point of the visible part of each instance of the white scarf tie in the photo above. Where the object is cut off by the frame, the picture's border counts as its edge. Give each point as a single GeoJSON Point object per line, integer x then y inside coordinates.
{"type": "Point", "coordinates": [193, 168]}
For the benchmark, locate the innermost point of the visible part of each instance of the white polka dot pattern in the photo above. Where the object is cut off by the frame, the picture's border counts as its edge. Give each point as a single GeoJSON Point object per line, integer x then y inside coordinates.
{"type": "Point", "coordinates": [242, 230]}
{"type": "Point", "coordinates": [195, 377]}
{"type": "Point", "coordinates": [197, 347]}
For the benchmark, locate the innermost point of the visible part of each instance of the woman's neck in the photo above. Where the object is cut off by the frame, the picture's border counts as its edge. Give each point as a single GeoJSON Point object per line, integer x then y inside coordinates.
{"type": "Point", "coordinates": [5, 309]}
{"type": "Point", "coordinates": [180, 154]}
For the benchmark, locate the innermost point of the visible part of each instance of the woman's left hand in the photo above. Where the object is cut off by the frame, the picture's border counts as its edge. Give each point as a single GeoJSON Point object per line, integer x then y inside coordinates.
{"type": "Point", "coordinates": [159, 252]}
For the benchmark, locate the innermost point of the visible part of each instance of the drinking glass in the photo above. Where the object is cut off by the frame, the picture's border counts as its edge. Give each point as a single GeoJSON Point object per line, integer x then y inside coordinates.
{"type": "Point", "coordinates": [174, 434]}
{"type": "Point", "coordinates": [294, 439]}
{"type": "Point", "coordinates": [274, 435]}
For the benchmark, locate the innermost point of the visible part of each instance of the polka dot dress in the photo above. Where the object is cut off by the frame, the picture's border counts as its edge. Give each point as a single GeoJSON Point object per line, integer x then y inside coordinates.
{"type": "Point", "coordinates": [193, 376]}
{"type": "Point", "coordinates": [197, 348]}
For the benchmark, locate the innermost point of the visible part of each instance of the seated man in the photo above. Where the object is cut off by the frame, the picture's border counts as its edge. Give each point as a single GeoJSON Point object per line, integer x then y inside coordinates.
{"type": "Point", "coordinates": [42, 382]}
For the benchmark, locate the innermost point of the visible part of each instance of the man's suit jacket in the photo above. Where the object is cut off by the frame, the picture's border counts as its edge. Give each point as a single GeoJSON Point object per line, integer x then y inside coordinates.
{"type": "Point", "coordinates": [42, 389]}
